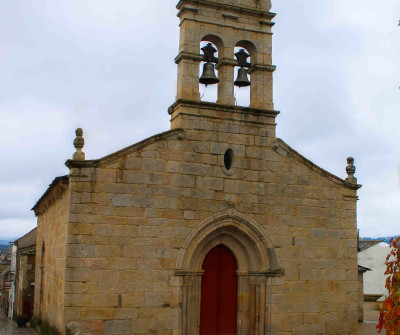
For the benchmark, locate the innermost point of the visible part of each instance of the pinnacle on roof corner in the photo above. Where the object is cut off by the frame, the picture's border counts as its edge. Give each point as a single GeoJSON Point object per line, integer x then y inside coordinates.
{"type": "Point", "coordinates": [351, 170]}
{"type": "Point", "coordinates": [79, 143]}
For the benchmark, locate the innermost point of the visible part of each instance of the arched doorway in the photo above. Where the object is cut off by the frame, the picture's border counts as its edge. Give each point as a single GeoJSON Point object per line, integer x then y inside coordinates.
{"type": "Point", "coordinates": [256, 262]}
{"type": "Point", "coordinates": [218, 312]}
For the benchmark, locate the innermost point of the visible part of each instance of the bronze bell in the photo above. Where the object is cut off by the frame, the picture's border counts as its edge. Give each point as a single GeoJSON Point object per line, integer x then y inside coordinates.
{"type": "Point", "coordinates": [208, 77]}
{"type": "Point", "coordinates": [242, 79]}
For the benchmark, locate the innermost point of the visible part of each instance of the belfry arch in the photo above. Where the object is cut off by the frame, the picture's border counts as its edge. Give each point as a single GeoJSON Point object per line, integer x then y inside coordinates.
{"type": "Point", "coordinates": [256, 262]}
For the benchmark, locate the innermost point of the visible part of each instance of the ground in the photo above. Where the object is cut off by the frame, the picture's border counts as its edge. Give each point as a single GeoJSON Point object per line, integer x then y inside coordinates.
{"type": "Point", "coordinates": [8, 328]}
{"type": "Point", "coordinates": [371, 316]}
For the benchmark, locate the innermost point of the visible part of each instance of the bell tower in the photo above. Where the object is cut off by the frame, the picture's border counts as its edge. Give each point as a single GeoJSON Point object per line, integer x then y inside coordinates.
{"type": "Point", "coordinates": [225, 25]}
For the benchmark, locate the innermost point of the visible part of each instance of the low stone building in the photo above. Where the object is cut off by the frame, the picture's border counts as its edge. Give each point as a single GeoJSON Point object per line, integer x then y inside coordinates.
{"type": "Point", "coordinates": [25, 274]}
{"type": "Point", "coordinates": [215, 226]}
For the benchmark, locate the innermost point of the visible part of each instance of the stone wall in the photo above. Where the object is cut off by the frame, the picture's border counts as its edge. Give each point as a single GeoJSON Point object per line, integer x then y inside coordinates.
{"type": "Point", "coordinates": [132, 213]}
{"type": "Point", "coordinates": [52, 213]}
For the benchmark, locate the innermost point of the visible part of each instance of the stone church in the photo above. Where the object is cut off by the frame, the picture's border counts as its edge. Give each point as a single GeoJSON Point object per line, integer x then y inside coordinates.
{"type": "Point", "coordinates": [213, 227]}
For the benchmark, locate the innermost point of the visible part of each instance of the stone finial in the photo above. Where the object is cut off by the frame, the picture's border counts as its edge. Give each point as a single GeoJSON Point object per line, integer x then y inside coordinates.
{"type": "Point", "coordinates": [79, 142]}
{"type": "Point", "coordinates": [351, 170]}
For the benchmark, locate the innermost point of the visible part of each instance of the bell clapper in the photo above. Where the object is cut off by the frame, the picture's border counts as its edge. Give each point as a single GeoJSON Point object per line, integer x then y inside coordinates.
{"type": "Point", "coordinates": [236, 103]}
{"type": "Point", "coordinates": [204, 92]}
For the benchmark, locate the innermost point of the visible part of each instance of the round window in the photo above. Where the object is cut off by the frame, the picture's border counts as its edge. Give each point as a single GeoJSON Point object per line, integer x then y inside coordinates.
{"type": "Point", "coordinates": [228, 159]}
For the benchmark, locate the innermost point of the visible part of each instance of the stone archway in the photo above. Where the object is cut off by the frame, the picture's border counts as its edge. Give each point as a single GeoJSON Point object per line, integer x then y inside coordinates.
{"type": "Point", "coordinates": [256, 261]}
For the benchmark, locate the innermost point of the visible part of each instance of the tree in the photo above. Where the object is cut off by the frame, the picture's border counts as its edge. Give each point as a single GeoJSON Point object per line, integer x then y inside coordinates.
{"type": "Point", "coordinates": [390, 311]}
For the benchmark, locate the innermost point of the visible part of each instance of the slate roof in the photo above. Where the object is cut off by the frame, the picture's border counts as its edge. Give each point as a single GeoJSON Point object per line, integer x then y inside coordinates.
{"type": "Point", "coordinates": [363, 245]}
{"type": "Point", "coordinates": [363, 269]}
{"type": "Point", "coordinates": [64, 179]}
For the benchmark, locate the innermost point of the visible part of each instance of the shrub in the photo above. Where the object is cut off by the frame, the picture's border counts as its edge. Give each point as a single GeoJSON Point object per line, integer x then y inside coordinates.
{"type": "Point", "coordinates": [390, 310]}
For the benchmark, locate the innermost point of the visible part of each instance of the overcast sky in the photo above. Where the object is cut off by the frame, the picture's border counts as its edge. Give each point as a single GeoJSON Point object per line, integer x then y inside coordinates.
{"type": "Point", "coordinates": [107, 66]}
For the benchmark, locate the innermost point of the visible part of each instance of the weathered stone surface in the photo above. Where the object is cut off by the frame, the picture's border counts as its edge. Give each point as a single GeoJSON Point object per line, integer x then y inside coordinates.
{"type": "Point", "coordinates": [117, 327]}
{"type": "Point", "coordinates": [121, 200]}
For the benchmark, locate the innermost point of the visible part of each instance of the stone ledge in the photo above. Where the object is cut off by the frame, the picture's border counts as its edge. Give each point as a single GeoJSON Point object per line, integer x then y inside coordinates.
{"type": "Point", "coordinates": [226, 61]}
{"type": "Point", "coordinates": [267, 23]}
{"type": "Point", "coordinates": [281, 145]}
{"type": "Point", "coordinates": [230, 16]}
{"type": "Point", "coordinates": [261, 30]}
{"type": "Point", "coordinates": [268, 273]}
{"type": "Point", "coordinates": [262, 67]}
{"type": "Point", "coordinates": [228, 7]}
{"type": "Point", "coordinates": [179, 133]}
{"type": "Point", "coordinates": [189, 9]}
{"type": "Point", "coordinates": [188, 55]}
{"type": "Point", "coordinates": [222, 108]}
{"type": "Point", "coordinates": [56, 188]}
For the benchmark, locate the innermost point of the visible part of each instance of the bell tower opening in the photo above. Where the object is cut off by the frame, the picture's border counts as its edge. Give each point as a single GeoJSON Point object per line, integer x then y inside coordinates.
{"type": "Point", "coordinates": [209, 74]}
{"type": "Point", "coordinates": [242, 78]}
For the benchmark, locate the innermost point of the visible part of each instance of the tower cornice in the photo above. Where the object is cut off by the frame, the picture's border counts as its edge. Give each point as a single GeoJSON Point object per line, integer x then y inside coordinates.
{"type": "Point", "coordinates": [220, 5]}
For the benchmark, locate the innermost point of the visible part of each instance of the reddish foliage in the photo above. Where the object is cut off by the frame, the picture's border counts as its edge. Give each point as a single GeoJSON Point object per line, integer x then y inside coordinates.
{"type": "Point", "coordinates": [390, 311]}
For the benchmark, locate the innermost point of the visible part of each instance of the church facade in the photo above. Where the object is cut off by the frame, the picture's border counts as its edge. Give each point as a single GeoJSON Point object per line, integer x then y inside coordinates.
{"type": "Point", "coordinates": [213, 227]}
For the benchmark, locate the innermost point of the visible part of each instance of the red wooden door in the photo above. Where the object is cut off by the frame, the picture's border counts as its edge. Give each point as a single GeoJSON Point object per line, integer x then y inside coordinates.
{"type": "Point", "coordinates": [219, 293]}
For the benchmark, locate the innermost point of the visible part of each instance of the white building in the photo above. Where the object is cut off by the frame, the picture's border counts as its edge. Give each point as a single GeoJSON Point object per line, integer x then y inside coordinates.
{"type": "Point", "coordinates": [13, 271]}
{"type": "Point", "coordinates": [374, 257]}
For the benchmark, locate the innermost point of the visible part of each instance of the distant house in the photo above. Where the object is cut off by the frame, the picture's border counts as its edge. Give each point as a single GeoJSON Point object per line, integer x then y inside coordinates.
{"type": "Point", "coordinates": [372, 255]}
{"type": "Point", "coordinates": [13, 271]}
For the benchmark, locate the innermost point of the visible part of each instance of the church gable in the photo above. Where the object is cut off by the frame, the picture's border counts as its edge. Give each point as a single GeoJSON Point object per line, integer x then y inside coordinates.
{"type": "Point", "coordinates": [149, 206]}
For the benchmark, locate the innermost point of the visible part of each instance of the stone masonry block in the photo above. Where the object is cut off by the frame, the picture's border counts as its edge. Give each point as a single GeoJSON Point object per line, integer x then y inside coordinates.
{"type": "Point", "coordinates": [121, 200]}
{"type": "Point", "coordinates": [121, 188]}
{"type": "Point", "coordinates": [210, 183]}
{"type": "Point", "coordinates": [156, 178]}
{"type": "Point", "coordinates": [133, 300]}
{"type": "Point", "coordinates": [203, 125]}
{"type": "Point", "coordinates": [140, 326]}
{"type": "Point", "coordinates": [183, 181]}
{"type": "Point", "coordinates": [153, 164]}
{"type": "Point", "coordinates": [81, 250]}
{"type": "Point", "coordinates": [125, 313]}
{"type": "Point", "coordinates": [333, 274]}
{"type": "Point", "coordinates": [200, 147]}
{"type": "Point", "coordinates": [99, 313]}
{"type": "Point", "coordinates": [318, 232]}
{"type": "Point", "coordinates": [134, 177]}
{"type": "Point", "coordinates": [195, 169]}
{"type": "Point", "coordinates": [255, 152]}
{"type": "Point", "coordinates": [172, 166]}
{"type": "Point", "coordinates": [117, 327]}
{"type": "Point", "coordinates": [133, 163]}
{"type": "Point", "coordinates": [106, 300]}
{"type": "Point", "coordinates": [78, 300]}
